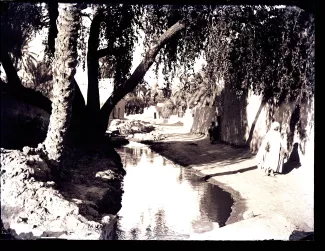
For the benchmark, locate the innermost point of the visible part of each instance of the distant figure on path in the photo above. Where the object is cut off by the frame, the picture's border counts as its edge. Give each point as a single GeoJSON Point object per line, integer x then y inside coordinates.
{"type": "Point", "coordinates": [272, 151]}
{"type": "Point", "coordinates": [213, 132]}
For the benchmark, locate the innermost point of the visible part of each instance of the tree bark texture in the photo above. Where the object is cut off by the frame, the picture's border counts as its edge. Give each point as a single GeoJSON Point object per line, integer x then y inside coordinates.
{"type": "Point", "coordinates": [93, 102]}
{"type": "Point", "coordinates": [92, 112]}
{"type": "Point", "coordinates": [53, 30]}
{"type": "Point", "coordinates": [65, 61]}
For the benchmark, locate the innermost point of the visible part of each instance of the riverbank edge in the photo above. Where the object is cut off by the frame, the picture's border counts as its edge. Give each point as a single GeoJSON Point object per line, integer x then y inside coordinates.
{"type": "Point", "coordinates": [30, 199]}
{"type": "Point", "coordinates": [242, 216]}
{"type": "Point", "coordinates": [239, 206]}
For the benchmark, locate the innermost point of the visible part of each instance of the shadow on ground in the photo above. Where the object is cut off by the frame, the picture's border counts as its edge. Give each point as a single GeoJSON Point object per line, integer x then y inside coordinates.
{"type": "Point", "coordinates": [230, 172]}
{"type": "Point", "coordinates": [301, 236]}
{"type": "Point", "coordinates": [183, 147]}
{"type": "Point", "coordinates": [186, 146]}
{"type": "Point", "coordinates": [93, 180]}
{"type": "Point", "coordinates": [293, 161]}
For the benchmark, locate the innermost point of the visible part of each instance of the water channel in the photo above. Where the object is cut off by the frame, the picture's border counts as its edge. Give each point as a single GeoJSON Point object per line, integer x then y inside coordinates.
{"type": "Point", "coordinates": [164, 201]}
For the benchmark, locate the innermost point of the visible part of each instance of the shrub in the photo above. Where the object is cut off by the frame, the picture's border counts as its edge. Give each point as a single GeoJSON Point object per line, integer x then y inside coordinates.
{"type": "Point", "coordinates": [168, 109]}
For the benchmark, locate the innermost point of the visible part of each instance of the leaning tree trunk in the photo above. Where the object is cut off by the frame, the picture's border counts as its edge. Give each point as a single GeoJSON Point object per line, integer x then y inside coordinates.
{"type": "Point", "coordinates": [138, 74]}
{"type": "Point", "coordinates": [65, 61]}
{"type": "Point", "coordinates": [15, 87]}
{"type": "Point", "coordinates": [11, 72]}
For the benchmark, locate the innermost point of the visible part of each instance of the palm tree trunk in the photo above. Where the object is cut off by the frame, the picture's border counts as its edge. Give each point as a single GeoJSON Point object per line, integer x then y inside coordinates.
{"type": "Point", "coordinates": [63, 81]}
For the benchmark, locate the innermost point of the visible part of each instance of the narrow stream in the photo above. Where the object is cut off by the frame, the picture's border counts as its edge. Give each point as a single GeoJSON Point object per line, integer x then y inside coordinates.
{"type": "Point", "coordinates": [164, 201]}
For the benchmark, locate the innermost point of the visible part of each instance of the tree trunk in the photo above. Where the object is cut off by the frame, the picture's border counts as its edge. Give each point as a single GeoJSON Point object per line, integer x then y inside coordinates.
{"type": "Point", "coordinates": [137, 75]}
{"type": "Point", "coordinates": [77, 123]}
{"type": "Point", "coordinates": [15, 87]}
{"type": "Point", "coordinates": [93, 101]}
{"type": "Point", "coordinates": [213, 98]}
{"type": "Point", "coordinates": [53, 30]}
{"type": "Point", "coordinates": [63, 82]}
{"type": "Point", "coordinates": [11, 72]}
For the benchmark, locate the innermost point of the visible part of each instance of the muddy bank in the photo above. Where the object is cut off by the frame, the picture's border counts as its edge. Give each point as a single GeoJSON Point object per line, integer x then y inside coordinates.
{"type": "Point", "coordinates": [80, 205]}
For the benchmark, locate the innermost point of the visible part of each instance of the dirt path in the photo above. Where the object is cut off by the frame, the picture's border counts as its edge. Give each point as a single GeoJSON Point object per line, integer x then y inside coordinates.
{"type": "Point", "coordinates": [265, 207]}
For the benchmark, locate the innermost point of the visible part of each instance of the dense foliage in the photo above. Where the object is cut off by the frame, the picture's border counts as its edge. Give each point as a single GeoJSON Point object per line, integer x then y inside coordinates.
{"type": "Point", "coordinates": [267, 49]}
{"type": "Point", "coordinates": [39, 77]}
{"type": "Point", "coordinates": [19, 23]}
{"type": "Point", "coordinates": [274, 54]}
{"type": "Point", "coordinates": [168, 109]}
{"type": "Point", "coordinates": [140, 98]}
{"type": "Point", "coordinates": [134, 105]}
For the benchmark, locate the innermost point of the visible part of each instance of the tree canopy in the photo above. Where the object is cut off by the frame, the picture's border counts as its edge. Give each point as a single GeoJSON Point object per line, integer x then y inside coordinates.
{"type": "Point", "coordinates": [274, 54]}
{"type": "Point", "coordinates": [266, 49]}
{"type": "Point", "coordinates": [19, 22]}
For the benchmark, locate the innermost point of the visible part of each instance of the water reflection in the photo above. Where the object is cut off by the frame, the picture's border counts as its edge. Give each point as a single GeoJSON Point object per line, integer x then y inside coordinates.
{"type": "Point", "coordinates": [161, 200]}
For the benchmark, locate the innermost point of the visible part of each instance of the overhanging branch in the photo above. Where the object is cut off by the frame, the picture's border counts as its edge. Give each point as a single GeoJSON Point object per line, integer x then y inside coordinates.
{"type": "Point", "coordinates": [145, 64]}
{"type": "Point", "coordinates": [140, 71]}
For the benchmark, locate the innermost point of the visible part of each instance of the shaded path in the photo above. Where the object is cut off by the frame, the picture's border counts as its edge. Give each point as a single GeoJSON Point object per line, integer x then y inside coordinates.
{"type": "Point", "coordinates": [283, 200]}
